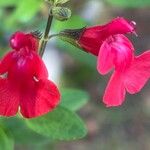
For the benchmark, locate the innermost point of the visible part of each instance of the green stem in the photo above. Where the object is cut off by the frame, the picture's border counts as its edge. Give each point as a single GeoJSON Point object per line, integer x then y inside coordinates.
{"type": "Point", "coordinates": [46, 34]}
{"type": "Point", "coordinates": [53, 35]}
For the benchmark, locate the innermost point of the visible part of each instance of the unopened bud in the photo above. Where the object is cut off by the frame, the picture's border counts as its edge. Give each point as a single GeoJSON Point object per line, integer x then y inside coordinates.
{"type": "Point", "coordinates": [60, 1]}
{"type": "Point", "coordinates": [61, 13]}
{"type": "Point", "coordinates": [57, 2]}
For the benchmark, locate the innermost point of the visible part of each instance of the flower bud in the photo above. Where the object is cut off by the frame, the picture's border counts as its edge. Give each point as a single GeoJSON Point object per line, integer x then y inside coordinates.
{"type": "Point", "coordinates": [60, 1]}
{"type": "Point", "coordinates": [61, 13]}
{"type": "Point", "coordinates": [57, 2]}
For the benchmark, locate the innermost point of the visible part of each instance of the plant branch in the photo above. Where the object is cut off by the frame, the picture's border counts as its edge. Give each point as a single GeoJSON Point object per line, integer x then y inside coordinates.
{"type": "Point", "coordinates": [46, 35]}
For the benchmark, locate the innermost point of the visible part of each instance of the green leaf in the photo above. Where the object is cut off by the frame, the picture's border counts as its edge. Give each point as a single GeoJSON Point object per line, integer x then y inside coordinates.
{"type": "Point", "coordinates": [60, 124]}
{"type": "Point", "coordinates": [61, 13]}
{"type": "Point", "coordinates": [21, 133]}
{"type": "Point", "coordinates": [130, 3]}
{"type": "Point", "coordinates": [74, 99]}
{"type": "Point", "coordinates": [6, 142]}
{"type": "Point", "coordinates": [24, 12]}
{"type": "Point", "coordinates": [27, 9]}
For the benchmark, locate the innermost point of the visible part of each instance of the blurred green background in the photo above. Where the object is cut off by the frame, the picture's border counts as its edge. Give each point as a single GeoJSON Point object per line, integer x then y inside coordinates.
{"type": "Point", "coordinates": [123, 128]}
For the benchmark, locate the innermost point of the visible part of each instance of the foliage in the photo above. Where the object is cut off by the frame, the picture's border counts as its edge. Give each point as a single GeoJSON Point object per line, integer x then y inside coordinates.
{"type": "Point", "coordinates": [6, 142]}
{"type": "Point", "coordinates": [75, 102]}
{"type": "Point", "coordinates": [61, 124]}
{"type": "Point", "coordinates": [129, 3]}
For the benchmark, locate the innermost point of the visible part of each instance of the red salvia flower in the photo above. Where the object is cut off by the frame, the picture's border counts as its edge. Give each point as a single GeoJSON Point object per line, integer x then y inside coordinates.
{"type": "Point", "coordinates": [130, 72]}
{"type": "Point", "coordinates": [116, 52]}
{"type": "Point", "coordinates": [92, 37]}
{"type": "Point", "coordinates": [24, 80]}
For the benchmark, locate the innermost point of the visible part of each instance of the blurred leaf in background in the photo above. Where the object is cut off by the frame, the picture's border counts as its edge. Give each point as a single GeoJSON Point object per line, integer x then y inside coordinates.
{"type": "Point", "coordinates": [18, 12]}
{"type": "Point", "coordinates": [21, 133]}
{"type": "Point", "coordinates": [6, 141]}
{"type": "Point", "coordinates": [130, 3]}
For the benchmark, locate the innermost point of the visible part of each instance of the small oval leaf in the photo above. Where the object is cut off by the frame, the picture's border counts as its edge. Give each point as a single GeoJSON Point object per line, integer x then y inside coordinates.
{"type": "Point", "coordinates": [130, 4]}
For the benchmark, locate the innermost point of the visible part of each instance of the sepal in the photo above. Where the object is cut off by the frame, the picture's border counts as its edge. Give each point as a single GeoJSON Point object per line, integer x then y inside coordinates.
{"type": "Point", "coordinates": [72, 36]}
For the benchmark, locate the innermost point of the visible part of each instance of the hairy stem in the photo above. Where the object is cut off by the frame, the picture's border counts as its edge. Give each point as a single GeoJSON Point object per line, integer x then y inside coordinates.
{"type": "Point", "coordinates": [46, 35]}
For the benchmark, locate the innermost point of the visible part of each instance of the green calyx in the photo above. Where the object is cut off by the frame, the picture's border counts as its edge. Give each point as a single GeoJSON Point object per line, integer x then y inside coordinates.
{"type": "Point", "coordinates": [72, 36]}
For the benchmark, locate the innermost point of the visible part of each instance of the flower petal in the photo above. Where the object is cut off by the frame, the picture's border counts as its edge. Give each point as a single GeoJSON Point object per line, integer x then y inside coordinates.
{"type": "Point", "coordinates": [9, 98]}
{"type": "Point", "coordinates": [39, 66]}
{"type": "Point", "coordinates": [27, 66]}
{"type": "Point", "coordinates": [105, 59]}
{"type": "Point", "coordinates": [138, 74]}
{"type": "Point", "coordinates": [122, 49]}
{"type": "Point", "coordinates": [6, 62]}
{"type": "Point", "coordinates": [120, 25]}
{"type": "Point", "coordinates": [21, 40]}
{"type": "Point", "coordinates": [115, 91]}
{"type": "Point", "coordinates": [42, 97]}
{"type": "Point", "coordinates": [115, 51]}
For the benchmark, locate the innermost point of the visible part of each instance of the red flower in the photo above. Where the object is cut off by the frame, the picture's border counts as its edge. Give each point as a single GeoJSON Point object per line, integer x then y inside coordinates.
{"type": "Point", "coordinates": [24, 80]}
{"type": "Point", "coordinates": [93, 37]}
{"type": "Point", "coordinates": [130, 72]}
{"type": "Point", "coordinates": [116, 52]}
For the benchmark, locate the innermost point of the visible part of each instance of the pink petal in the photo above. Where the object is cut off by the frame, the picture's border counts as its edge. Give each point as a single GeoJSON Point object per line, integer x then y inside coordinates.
{"type": "Point", "coordinates": [9, 98]}
{"type": "Point", "coordinates": [115, 51]}
{"type": "Point", "coordinates": [105, 59]}
{"type": "Point", "coordinates": [41, 97]}
{"type": "Point", "coordinates": [115, 91]}
{"type": "Point", "coordinates": [138, 74]}
{"type": "Point", "coordinates": [122, 49]}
